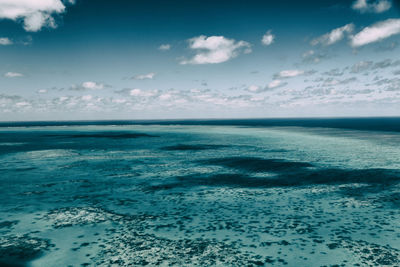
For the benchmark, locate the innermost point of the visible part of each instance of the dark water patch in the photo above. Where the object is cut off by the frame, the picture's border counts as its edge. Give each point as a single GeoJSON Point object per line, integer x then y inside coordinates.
{"type": "Point", "coordinates": [252, 164]}
{"type": "Point", "coordinates": [224, 179]}
{"type": "Point", "coordinates": [112, 135]}
{"type": "Point", "coordinates": [277, 150]}
{"type": "Point", "coordinates": [381, 177]}
{"type": "Point", "coordinates": [183, 147]}
{"type": "Point", "coordinates": [8, 224]}
{"type": "Point", "coordinates": [392, 200]}
{"type": "Point", "coordinates": [340, 176]}
{"type": "Point", "coordinates": [18, 169]}
{"type": "Point", "coordinates": [19, 250]}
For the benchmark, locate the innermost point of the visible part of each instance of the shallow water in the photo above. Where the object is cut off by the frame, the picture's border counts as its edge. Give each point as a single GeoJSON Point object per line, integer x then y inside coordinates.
{"type": "Point", "coordinates": [199, 195]}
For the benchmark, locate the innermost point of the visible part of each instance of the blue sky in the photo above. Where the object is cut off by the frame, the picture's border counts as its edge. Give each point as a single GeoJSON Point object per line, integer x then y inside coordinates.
{"type": "Point", "coordinates": [86, 59]}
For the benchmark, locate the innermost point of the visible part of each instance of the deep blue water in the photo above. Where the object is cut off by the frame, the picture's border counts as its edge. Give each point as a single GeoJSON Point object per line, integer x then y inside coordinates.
{"type": "Point", "coordinates": [369, 124]}
{"type": "Point", "coordinates": [308, 192]}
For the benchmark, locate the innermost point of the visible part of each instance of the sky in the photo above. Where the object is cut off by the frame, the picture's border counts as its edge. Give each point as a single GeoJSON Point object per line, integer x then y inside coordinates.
{"type": "Point", "coordinates": [176, 59]}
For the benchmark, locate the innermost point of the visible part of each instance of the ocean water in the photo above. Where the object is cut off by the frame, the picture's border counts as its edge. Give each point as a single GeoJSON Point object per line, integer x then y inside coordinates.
{"type": "Point", "coordinates": [194, 193]}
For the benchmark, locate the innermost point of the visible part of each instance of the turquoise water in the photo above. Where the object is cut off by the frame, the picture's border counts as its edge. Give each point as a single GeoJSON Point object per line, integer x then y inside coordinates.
{"type": "Point", "coordinates": [198, 195]}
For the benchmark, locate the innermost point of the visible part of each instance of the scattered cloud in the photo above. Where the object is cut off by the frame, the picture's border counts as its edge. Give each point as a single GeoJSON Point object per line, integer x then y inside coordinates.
{"type": "Point", "coordinates": [148, 76]}
{"type": "Point", "coordinates": [13, 75]}
{"type": "Point", "coordinates": [89, 85]}
{"type": "Point", "coordinates": [215, 49]}
{"type": "Point", "coordinates": [387, 47]}
{"type": "Point", "coordinates": [141, 93]}
{"type": "Point", "coordinates": [334, 72]}
{"type": "Point", "coordinates": [268, 38]}
{"type": "Point", "coordinates": [272, 85]}
{"type": "Point", "coordinates": [164, 47]}
{"type": "Point", "coordinates": [361, 66]}
{"type": "Point", "coordinates": [288, 74]}
{"type": "Point", "coordinates": [368, 6]}
{"type": "Point", "coordinates": [386, 63]}
{"type": "Point", "coordinates": [93, 85]}
{"type": "Point", "coordinates": [35, 14]}
{"type": "Point", "coordinates": [333, 36]}
{"type": "Point", "coordinates": [87, 97]}
{"type": "Point", "coordinates": [376, 32]}
{"type": "Point", "coordinates": [311, 56]}
{"type": "Point", "coordinates": [254, 88]}
{"type": "Point", "coordinates": [364, 66]}
{"type": "Point", "coordinates": [275, 84]}
{"type": "Point", "coordinates": [5, 41]}
{"type": "Point", "coordinates": [333, 82]}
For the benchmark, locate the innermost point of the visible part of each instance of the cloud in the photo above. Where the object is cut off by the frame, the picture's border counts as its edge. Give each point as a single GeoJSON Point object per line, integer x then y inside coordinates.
{"type": "Point", "coordinates": [89, 85]}
{"type": "Point", "coordinates": [5, 41]}
{"type": "Point", "coordinates": [364, 66]}
{"type": "Point", "coordinates": [35, 14]}
{"type": "Point", "coordinates": [361, 66]}
{"type": "Point", "coordinates": [93, 85]}
{"type": "Point", "coordinates": [335, 82]}
{"type": "Point", "coordinates": [268, 38]}
{"type": "Point", "coordinates": [254, 88]}
{"type": "Point", "coordinates": [136, 92]}
{"type": "Point", "coordinates": [288, 74]}
{"type": "Point", "coordinates": [365, 6]}
{"type": "Point", "coordinates": [275, 84]}
{"type": "Point", "coordinates": [141, 93]}
{"type": "Point", "coordinates": [311, 56]}
{"type": "Point", "coordinates": [386, 63]}
{"type": "Point", "coordinates": [164, 47]}
{"type": "Point", "coordinates": [334, 72]}
{"type": "Point", "coordinates": [148, 76]}
{"type": "Point", "coordinates": [13, 74]}
{"type": "Point", "coordinates": [272, 85]}
{"type": "Point", "coordinates": [333, 36]}
{"type": "Point", "coordinates": [215, 49]}
{"type": "Point", "coordinates": [87, 97]}
{"type": "Point", "coordinates": [376, 32]}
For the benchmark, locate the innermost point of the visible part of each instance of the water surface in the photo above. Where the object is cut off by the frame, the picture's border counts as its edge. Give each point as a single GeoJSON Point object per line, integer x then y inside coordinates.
{"type": "Point", "coordinates": [228, 195]}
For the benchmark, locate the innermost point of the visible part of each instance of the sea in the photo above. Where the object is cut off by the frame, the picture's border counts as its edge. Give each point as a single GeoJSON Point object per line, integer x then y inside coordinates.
{"type": "Point", "coordinates": [249, 192]}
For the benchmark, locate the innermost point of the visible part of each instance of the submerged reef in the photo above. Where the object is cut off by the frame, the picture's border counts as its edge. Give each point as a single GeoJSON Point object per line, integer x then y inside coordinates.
{"type": "Point", "coordinates": [198, 196]}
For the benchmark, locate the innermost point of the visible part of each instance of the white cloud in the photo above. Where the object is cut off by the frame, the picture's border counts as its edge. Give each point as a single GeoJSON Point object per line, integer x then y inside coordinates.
{"type": "Point", "coordinates": [268, 38]}
{"type": "Point", "coordinates": [288, 74]}
{"type": "Point", "coordinates": [333, 36]}
{"type": "Point", "coordinates": [5, 41]}
{"type": "Point", "coordinates": [35, 14]}
{"type": "Point", "coordinates": [13, 74]}
{"type": "Point", "coordinates": [376, 32]}
{"type": "Point", "coordinates": [164, 47]}
{"type": "Point", "coordinates": [215, 49]}
{"type": "Point", "coordinates": [22, 104]}
{"type": "Point", "coordinates": [144, 76]}
{"type": "Point", "coordinates": [372, 7]}
{"type": "Point", "coordinates": [42, 91]}
{"type": "Point", "coordinates": [274, 84]}
{"type": "Point", "coordinates": [254, 88]}
{"type": "Point", "coordinates": [87, 97]}
{"type": "Point", "coordinates": [92, 85]}
{"type": "Point", "coordinates": [140, 93]}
